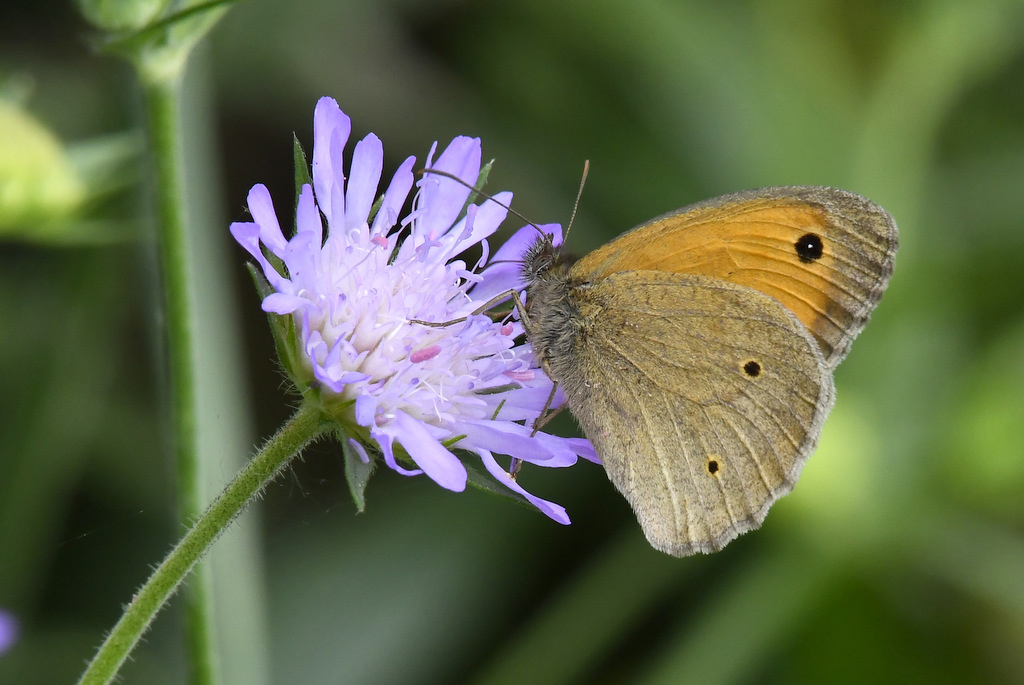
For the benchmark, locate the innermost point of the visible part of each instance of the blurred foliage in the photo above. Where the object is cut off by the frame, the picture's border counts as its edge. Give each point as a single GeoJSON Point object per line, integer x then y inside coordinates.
{"type": "Point", "coordinates": [50, 193]}
{"type": "Point", "coordinates": [899, 557]}
{"type": "Point", "coordinates": [37, 181]}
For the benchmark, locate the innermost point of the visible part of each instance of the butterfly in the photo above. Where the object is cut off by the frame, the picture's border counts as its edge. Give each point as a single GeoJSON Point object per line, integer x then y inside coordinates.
{"type": "Point", "coordinates": [696, 350]}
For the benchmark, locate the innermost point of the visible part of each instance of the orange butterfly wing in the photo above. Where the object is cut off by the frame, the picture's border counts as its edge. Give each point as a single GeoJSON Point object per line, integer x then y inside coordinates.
{"type": "Point", "coordinates": [825, 254]}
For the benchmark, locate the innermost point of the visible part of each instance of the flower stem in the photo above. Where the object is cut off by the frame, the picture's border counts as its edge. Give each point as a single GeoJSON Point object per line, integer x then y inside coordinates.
{"type": "Point", "coordinates": [163, 102]}
{"type": "Point", "coordinates": [305, 426]}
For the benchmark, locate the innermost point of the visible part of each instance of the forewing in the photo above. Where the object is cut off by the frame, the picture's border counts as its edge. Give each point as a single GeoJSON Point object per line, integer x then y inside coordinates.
{"type": "Point", "coordinates": [825, 254]}
{"type": "Point", "coordinates": [702, 398]}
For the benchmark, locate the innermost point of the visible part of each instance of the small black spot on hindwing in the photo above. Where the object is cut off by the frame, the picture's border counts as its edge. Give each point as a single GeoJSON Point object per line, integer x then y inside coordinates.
{"type": "Point", "coordinates": [713, 465]}
{"type": "Point", "coordinates": [809, 247]}
{"type": "Point", "coordinates": [752, 368]}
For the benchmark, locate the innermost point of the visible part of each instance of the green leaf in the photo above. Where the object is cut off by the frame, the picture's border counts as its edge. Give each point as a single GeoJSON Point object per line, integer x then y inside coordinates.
{"type": "Point", "coordinates": [374, 209]}
{"type": "Point", "coordinates": [282, 328]}
{"type": "Point", "coordinates": [481, 181]}
{"type": "Point", "coordinates": [302, 176]}
{"type": "Point", "coordinates": [357, 472]}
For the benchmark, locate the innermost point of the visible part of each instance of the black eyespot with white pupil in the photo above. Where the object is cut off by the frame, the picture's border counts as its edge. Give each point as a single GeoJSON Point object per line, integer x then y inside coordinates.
{"type": "Point", "coordinates": [809, 247]}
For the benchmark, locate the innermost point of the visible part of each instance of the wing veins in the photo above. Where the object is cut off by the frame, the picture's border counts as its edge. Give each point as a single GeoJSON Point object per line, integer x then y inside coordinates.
{"type": "Point", "coordinates": [727, 371]}
{"type": "Point", "coordinates": [721, 486]}
{"type": "Point", "coordinates": [710, 315]}
{"type": "Point", "coordinates": [771, 414]}
{"type": "Point", "coordinates": [837, 256]}
{"type": "Point", "coordinates": [775, 452]}
{"type": "Point", "coordinates": [665, 471]}
{"type": "Point", "coordinates": [753, 453]}
{"type": "Point", "coordinates": [742, 389]}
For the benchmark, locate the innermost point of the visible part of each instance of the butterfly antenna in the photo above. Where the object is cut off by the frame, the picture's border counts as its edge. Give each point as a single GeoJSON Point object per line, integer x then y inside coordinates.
{"type": "Point", "coordinates": [490, 197]}
{"type": "Point", "coordinates": [579, 194]}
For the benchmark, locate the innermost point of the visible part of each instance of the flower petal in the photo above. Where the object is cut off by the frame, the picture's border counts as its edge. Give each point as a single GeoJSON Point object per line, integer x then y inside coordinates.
{"type": "Point", "coordinates": [582, 447]}
{"type": "Point", "coordinates": [360, 451]}
{"type": "Point", "coordinates": [443, 198]}
{"type": "Point", "coordinates": [329, 124]}
{"type": "Point", "coordinates": [438, 463]}
{"type": "Point", "coordinates": [504, 437]}
{"type": "Point", "coordinates": [366, 408]}
{"type": "Point", "coordinates": [527, 402]}
{"type": "Point", "coordinates": [282, 303]}
{"type": "Point", "coordinates": [384, 439]}
{"type": "Point", "coordinates": [498, 279]}
{"type": "Point", "coordinates": [489, 216]}
{"type": "Point", "coordinates": [367, 166]}
{"type": "Point", "coordinates": [563, 453]}
{"type": "Point", "coordinates": [307, 216]}
{"type": "Point", "coordinates": [247, 234]}
{"type": "Point", "coordinates": [261, 207]}
{"type": "Point", "coordinates": [394, 197]}
{"type": "Point", "coordinates": [552, 510]}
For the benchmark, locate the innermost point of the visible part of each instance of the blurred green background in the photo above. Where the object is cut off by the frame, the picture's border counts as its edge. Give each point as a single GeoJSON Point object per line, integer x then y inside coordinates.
{"type": "Point", "coordinates": [898, 558]}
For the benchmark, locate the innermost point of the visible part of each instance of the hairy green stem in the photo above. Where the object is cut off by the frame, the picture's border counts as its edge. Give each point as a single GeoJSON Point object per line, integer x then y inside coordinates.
{"type": "Point", "coordinates": [305, 426]}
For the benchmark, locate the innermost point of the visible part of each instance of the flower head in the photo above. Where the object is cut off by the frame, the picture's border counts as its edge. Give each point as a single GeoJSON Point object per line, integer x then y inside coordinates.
{"type": "Point", "coordinates": [356, 295]}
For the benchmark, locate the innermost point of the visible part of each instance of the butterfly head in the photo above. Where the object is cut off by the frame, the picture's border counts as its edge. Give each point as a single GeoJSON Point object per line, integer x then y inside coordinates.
{"type": "Point", "coordinates": [544, 261]}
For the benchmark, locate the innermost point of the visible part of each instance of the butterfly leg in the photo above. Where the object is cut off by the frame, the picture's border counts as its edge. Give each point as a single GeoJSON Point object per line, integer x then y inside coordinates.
{"type": "Point", "coordinates": [497, 299]}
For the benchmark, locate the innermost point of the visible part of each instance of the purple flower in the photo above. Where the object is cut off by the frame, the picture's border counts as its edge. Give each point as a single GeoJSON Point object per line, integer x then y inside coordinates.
{"type": "Point", "coordinates": [352, 295]}
{"type": "Point", "coordinates": [9, 630]}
